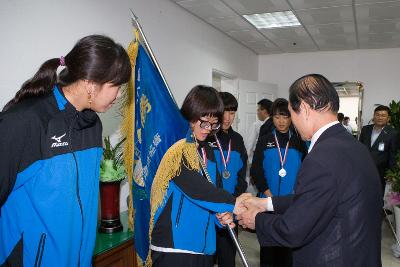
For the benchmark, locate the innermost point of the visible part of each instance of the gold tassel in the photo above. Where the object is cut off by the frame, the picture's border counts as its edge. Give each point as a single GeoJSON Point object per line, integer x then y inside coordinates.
{"type": "Point", "coordinates": [170, 167]}
{"type": "Point", "coordinates": [128, 124]}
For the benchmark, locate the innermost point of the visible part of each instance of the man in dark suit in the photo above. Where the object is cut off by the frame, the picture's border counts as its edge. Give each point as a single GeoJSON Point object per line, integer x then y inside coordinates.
{"type": "Point", "coordinates": [381, 140]}
{"type": "Point", "coordinates": [333, 217]}
{"type": "Point", "coordinates": [268, 125]}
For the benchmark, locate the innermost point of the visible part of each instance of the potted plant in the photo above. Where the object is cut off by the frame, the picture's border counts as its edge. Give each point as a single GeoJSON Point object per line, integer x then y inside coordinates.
{"type": "Point", "coordinates": [393, 176]}
{"type": "Point", "coordinates": [393, 199]}
{"type": "Point", "coordinates": [112, 172]}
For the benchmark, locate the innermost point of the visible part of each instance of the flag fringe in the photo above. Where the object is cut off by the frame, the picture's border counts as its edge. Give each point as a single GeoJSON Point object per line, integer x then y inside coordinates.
{"type": "Point", "coordinates": [181, 153]}
{"type": "Point", "coordinates": [128, 124]}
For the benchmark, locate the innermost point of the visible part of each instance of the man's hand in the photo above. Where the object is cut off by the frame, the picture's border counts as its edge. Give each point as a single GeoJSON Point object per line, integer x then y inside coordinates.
{"type": "Point", "coordinates": [226, 218]}
{"type": "Point", "coordinates": [247, 219]}
{"type": "Point", "coordinates": [239, 206]}
{"type": "Point", "coordinates": [255, 202]}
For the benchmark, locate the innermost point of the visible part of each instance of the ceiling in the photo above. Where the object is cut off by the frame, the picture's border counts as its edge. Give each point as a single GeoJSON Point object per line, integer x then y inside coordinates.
{"type": "Point", "coordinates": [325, 24]}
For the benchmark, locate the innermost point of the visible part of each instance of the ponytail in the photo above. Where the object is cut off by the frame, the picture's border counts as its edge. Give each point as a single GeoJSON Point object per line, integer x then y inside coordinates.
{"type": "Point", "coordinates": [95, 57]}
{"type": "Point", "coordinates": [40, 84]}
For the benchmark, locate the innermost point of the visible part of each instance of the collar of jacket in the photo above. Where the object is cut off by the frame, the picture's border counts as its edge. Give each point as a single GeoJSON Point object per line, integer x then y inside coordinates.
{"type": "Point", "coordinates": [229, 132]}
{"type": "Point", "coordinates": [84, 119]}
{"type": "Point", "coordinates": [190, 139]}
{"type": "Point", "coordinates": [331, 131]}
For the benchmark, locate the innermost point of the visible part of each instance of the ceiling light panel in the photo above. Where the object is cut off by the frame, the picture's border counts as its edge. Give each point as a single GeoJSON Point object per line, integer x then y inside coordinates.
{"type": "Point", "coordinates": [245, 7]}
{"type": "Point", "coordinates": [273, 20]}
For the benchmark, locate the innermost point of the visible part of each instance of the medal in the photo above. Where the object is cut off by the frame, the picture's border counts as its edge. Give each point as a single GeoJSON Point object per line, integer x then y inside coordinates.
{"type": "Point", "coordinates": [282, 172]}
{"type": "Point", "coordinates": [225, 173]}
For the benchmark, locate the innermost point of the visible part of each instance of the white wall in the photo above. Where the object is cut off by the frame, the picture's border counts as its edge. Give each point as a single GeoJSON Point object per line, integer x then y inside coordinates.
{"type": "Point", "coordinates": [378, 69]}
{"type": "Point", "coordinates": [186, 48]}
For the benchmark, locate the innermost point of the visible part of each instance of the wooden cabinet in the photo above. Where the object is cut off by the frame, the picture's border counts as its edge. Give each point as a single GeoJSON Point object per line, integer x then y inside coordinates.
{"type": "Point", "coordinates": [117, 249]}
{"type": "Point", "coordinates": [121, 256]}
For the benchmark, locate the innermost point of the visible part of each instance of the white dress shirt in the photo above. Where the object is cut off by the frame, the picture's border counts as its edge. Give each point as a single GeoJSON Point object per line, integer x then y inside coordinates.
{"type": "Point", "coordinates": [252, 137]}
{"type": "Point", "coordinates": [374, 135]}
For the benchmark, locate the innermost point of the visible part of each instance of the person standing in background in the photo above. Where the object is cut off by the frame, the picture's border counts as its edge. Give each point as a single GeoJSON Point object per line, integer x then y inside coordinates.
{"type": "Point", "coordinates": [231, 158]}
{"type": "Point", "coordinates": [381, 140]}
{"type": "Point", "coordinates": [276, 161]}
{"type": "Point", "coordinates": [340, 117]}
{"type": "Point", "coordinates": [346, 125]}
{"type": "Point", "coordinates": [263, 113]}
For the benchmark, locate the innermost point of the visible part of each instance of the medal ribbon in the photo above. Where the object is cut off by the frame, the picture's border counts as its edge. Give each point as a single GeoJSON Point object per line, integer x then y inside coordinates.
{"type": "Point", "coordinates": [228, 157]}
{"type": "Point", "coordinates": [204, 157]}
{"type": "Point", "coordinates": [279, 150]}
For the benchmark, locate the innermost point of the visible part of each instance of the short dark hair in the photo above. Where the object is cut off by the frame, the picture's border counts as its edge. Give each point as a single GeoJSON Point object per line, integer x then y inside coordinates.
{"type": "Point", "coordinates": [266, 104]}
{"type": "Point", "coordinates": [229, 100]}
{"type": "Point", "coordinates": [382, 108]}
{"type": "Point", "coordinates": [202, 101]}
{"type": "Point", "coordinates": [315, 90]}
{"type": "Point", "coordinates": [346, 118]}
{"type": "Point", "coordinates": [280, 107]}
{"type": "Point", "coordinates": [340, 117]}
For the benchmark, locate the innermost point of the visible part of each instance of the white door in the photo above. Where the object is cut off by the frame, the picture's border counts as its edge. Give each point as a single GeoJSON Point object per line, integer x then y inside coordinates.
{"type": "Point", "coordinates": [250, 92]}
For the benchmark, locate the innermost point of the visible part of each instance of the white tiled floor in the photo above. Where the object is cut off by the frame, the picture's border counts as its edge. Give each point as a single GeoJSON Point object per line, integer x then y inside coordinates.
{"type": "Point", "coordinates": [252, 248]}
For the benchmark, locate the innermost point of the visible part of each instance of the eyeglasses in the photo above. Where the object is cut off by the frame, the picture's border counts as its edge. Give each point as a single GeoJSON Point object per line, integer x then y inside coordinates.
{"type": "Point", "coordinates": [209, 126]}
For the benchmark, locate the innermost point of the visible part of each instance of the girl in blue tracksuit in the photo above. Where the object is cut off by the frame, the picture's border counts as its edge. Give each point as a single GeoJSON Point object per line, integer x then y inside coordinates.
{"type": "Point", "coordinates": [231, 157]}
{"type": "Point", "coordinates": [184, 198]}
{"type": "Point", "coordinates": [51, 146]}
{"type": "Point", "coordinates": [276, 161]}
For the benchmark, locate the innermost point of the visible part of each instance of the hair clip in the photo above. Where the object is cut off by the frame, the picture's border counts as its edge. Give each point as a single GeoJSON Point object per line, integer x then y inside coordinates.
{"type": "Point", "coordinates": [62, 61]}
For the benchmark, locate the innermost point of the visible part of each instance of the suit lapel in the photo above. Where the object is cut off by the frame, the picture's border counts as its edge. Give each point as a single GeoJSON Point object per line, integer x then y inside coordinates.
{"type": "Point", "coordinates": [368, 136]}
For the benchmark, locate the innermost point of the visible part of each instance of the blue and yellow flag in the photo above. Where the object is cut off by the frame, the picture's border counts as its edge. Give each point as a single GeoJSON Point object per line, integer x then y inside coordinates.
{"type": "Point", "coordinates": [157, 125]}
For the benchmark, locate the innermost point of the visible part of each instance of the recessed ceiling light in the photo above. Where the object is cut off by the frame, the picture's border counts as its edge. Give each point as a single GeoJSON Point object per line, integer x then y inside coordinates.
{"type": "Point", "coordinates": [273, 20]}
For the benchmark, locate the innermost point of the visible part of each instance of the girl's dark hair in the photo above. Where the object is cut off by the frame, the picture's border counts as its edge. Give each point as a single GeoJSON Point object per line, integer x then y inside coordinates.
{"type": "Point", "coordinates": [95, 58]}
{"type": "Point", "coordinates": [229, 100]}
{"type": "Point", "coordinates": [280, 107]}
{"type": "Point", "coordinates": [266, 104]}
{"type": "Point", "coordinates": [202, 101]}
{"type": "Point", "coordinates": [315, 90]}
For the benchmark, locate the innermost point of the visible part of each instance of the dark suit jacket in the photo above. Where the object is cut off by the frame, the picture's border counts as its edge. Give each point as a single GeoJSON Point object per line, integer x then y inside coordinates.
{"type": "Point", "coordinates": [334, 216]}
{"type": "Point", "coordinates": [383, 159]}
{"type": "Point", "coordinates": [266, 128]}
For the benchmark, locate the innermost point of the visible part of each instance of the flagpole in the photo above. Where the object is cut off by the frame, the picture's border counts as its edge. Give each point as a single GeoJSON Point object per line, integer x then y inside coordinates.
{"type": "Point", "coordinates": [238, 246]}
{"type": "Point", "coordinates": [153, 58]}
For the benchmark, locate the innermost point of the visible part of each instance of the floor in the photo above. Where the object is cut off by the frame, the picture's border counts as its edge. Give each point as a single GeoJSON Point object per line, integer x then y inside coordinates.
{"type": "Point", "coordinates": [251, 248]}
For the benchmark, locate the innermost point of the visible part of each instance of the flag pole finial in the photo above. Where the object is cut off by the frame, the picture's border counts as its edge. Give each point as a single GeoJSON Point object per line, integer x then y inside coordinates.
{"type": "Point", "coordinates": [135, 21]}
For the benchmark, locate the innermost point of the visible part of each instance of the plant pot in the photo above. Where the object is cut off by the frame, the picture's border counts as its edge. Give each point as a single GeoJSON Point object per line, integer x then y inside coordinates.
{"type": "Point", "coordinates": [396, 211]}
{"type": "Point", "coordinates": [109, 200]}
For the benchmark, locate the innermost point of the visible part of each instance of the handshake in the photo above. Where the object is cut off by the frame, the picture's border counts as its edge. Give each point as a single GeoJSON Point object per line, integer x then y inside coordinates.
{"type": "Point", "coordinates": [246, 209]}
